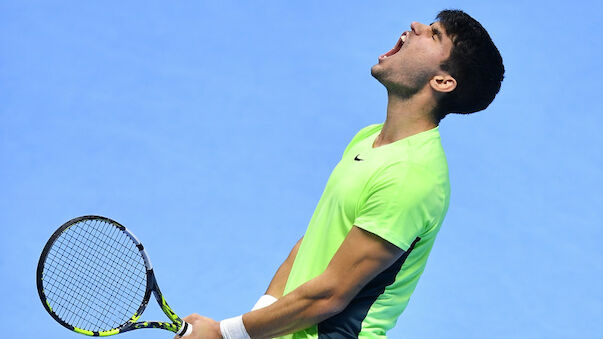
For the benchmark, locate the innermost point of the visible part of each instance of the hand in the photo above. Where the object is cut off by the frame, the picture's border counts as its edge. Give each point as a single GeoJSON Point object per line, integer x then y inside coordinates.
{"type": "Point", "coordinates": [203, 328]}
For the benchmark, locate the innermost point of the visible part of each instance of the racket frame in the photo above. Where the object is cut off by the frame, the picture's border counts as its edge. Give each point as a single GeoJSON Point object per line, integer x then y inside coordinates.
{"type": "Point", "coordinates": [177, 325]}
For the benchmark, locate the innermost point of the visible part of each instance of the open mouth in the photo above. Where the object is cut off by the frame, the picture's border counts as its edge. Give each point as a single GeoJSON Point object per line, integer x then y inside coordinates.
{"type": "Point", "coordinates": [396, 48]}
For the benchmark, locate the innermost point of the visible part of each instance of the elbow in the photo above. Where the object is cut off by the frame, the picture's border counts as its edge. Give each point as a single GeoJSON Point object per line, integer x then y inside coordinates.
{"type": "Point", "coordinates": [325, 308]}
{"type": "Point", "coordinates": [336, 304]}
{"type": "Point", "coordinates": [325, 296]}
{"type": "Point", "coordinates": [332, 302]}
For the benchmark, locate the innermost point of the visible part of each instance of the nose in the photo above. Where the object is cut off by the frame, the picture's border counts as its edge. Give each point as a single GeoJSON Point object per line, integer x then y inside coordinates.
{"type": "Point", "coordinates": [417, 27]}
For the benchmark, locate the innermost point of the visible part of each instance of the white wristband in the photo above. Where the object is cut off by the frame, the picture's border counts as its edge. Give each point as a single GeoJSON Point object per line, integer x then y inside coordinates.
{"type": "Point", "coordinates": [233, 328]}
{"type": "Point", "coordinates": [265, 300]}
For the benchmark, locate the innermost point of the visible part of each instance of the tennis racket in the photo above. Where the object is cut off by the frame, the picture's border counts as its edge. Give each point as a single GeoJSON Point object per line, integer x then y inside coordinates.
{"type": "Point", "coordinates": [95, 278]}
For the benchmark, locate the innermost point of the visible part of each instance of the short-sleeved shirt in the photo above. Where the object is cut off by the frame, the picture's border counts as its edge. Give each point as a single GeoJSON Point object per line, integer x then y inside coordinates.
{"type": "Point", "coordinates": [398, 191]}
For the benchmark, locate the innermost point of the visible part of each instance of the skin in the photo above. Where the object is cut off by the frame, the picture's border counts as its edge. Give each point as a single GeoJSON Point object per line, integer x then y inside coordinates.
{"type": "Point", "coordinates": [277, 285]}
{"type": "Point", "coordinates": [415, 70]}
{"type": "Point", "coordinates": [414, 83]}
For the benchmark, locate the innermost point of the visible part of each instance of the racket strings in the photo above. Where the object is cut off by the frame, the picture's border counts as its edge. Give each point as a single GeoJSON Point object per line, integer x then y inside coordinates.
{"type": "Point", "coordinates": [94, 276]}
{"type": "Point", "coordinates": [77, 282]}
{"type": "Point", "coordinates": [103, 273]}
{"type": "Point", "coordinates": [86, 281]}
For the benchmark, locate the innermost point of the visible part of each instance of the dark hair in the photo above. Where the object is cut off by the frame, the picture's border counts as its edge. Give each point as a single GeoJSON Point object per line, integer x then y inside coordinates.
{"type": "Point", "coordinates": [474, 62]}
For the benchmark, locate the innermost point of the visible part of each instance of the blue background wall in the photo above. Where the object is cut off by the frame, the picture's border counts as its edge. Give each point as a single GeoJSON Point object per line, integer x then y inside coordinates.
{"type": "Point", "coordinates": [210, 128]}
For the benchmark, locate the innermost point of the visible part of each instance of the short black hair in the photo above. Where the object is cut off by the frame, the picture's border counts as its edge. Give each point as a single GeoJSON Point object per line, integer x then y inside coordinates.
{"type": "Point", "coordinates": [474, 62]}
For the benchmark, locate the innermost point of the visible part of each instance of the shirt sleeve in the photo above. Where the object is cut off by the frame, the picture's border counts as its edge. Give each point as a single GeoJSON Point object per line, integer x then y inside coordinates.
{"type": "Point", "coordinates": [399, 203]}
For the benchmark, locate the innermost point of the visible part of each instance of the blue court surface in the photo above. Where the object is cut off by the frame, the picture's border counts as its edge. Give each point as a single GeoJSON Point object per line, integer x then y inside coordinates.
{"type": "Point", "coordinates": [209, 128]}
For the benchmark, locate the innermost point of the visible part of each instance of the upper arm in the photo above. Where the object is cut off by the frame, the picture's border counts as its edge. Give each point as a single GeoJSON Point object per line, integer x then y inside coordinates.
{"type": "Point", "coordinates": [293, 253]}
{"type": "Point", "coordinates": [279, 281]}
{"type": "Point", "coordinates": [400, 204]}
{"type": "Point", "coordinates": [360, 258]}
{"type": "Point", "coordinates": [291, 257]}
{"type": "Point", "coordinates": [296, 247]}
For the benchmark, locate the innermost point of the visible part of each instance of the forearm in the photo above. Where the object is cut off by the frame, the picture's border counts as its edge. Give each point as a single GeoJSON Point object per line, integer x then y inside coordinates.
{"type": "Point", "coordinates": [305, 306]}
{"type": "Point", "coordinates": [277, 285]}
{"type": "Point", "coordinates": [359, 259]}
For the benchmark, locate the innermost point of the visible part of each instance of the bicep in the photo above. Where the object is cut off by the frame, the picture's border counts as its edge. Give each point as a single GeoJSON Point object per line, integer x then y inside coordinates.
{"type": "Point", "coordinates": [360, 258]}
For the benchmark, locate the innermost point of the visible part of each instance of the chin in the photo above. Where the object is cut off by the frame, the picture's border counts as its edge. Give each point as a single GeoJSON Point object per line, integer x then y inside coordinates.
{"type": "Point", "coordinates": [382, 75]}
{"type": "Point", "coordinates": [377, 72]}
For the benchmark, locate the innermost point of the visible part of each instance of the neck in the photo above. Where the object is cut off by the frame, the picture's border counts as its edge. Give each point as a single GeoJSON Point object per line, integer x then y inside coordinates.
{"type": "Point", "coordinates": [405, 117]}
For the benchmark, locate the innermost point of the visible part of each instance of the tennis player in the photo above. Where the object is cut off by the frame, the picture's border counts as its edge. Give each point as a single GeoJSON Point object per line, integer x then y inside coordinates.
{"type": "Point", "coordinates": [353, 272]}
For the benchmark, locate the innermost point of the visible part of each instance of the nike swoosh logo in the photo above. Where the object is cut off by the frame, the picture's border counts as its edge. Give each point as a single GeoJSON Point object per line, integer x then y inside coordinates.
{"type": "Point", "coordinates": [358, 159]}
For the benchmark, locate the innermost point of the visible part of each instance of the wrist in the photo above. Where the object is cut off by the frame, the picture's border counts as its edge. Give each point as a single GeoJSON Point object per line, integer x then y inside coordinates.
{"type": "Point", "coordinates": [216, 328]}
{"type": "Point", "coordinates": [264, 301]}
{"type": "Point", "coordinates": [233, 328]}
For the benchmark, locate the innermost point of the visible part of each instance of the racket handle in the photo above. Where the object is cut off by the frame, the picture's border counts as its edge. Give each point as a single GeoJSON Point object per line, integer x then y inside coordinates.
{"type": "Point", "coordinates": [186, 329]}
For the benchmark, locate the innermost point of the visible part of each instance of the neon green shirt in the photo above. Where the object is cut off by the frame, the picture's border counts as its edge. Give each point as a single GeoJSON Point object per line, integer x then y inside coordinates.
{"type": "Point", "coordinates": [400, 192]}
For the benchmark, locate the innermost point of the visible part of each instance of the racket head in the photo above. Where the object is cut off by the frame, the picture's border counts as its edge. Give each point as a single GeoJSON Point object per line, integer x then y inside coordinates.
{"type": "Point", "coordinates": [94, 277]}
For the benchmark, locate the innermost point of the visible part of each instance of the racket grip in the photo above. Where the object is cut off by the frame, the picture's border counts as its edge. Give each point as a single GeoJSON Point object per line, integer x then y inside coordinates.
{"type": "Point", "coordinates": [186, 329]}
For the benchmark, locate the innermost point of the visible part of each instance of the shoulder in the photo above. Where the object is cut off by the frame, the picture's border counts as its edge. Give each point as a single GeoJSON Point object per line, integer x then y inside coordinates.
{"type": "Point", "coordinates": [362, 134]}
{"type": "Point", "coordinates": [366, 131]}
{"type": "Point", "coordinates": [409, 181]}
{"type": "Point", "coordinates": [406, 173]}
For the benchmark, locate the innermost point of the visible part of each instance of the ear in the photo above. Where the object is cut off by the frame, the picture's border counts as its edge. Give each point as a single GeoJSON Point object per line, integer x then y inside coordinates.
{"type": "Point", "coordinates": [443, 83]}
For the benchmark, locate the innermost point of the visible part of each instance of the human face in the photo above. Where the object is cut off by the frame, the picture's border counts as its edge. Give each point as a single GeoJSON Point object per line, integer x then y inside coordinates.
{"type": "Point", "coordinates": [415, 59]}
